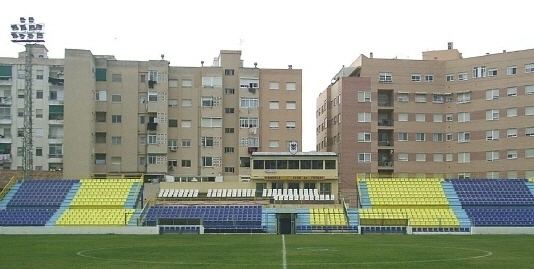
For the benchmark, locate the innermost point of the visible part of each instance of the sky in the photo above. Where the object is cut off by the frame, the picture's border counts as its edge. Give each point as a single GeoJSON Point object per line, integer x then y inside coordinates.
{"type": "Point", "coordinates": [318, 37]}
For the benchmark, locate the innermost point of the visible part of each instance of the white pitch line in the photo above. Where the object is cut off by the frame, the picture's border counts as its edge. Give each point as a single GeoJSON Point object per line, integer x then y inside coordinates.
{"type": "Point", "coordinates": [284, 259]}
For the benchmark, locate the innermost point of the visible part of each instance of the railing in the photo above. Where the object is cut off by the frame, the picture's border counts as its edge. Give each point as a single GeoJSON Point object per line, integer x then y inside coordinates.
{"type": "Point", "coordinates": [7, 187]}
{"type": "Point", "coordinates": [385, 143]}
{"type": "Point", "coordinates": [387, 163]}
{"type": "Point", "coordinates": [385, 122]}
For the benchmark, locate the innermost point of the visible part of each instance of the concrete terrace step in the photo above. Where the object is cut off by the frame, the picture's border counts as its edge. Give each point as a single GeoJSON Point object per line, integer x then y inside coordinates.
{"type": "Point", "coordinates": [10, 195]}
{"type": "Point", "coordinates": [132, 195]}
{"type": "Point", "coordinates": [352, 214]}
{"type": "Point", "coordinates": [455, 204]}
{"type": "Point", "coordinates": [268, 220]}
{"type": "Point", "coordinates": [530, 186]}
{"type": "Point", "coordinates": [135, 217]}
{"type": "Point", "coordinates": [365, 200]}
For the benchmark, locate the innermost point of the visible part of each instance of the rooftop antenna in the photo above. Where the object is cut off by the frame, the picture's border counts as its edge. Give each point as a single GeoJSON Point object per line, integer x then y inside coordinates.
{"type": "Point", "coordinates": [30, 33]}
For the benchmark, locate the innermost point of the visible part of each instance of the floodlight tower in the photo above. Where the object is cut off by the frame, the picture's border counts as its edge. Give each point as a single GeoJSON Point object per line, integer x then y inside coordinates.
{"type": "Point", "coordinates": [29, 33]}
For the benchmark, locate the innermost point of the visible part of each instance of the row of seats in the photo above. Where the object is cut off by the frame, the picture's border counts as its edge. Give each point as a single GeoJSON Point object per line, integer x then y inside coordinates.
{"type": "Point", "coordinates": [73, 216]}
{"type": "Point", "coordinates": [231, 193]}
{"type": "Point", "coordinates": [327, 216]}
{"type": "Point", "coordinates": [100, 192]}
{"type": "Point", "coordinates": [444, 217]}
{"type": "Point", "coordinates": [41, 193]}
{"type": "Point", "coordinates": [178, 193]}
{"type": "Point", "coordinates": [320, 197]}
{"type": "Point", "coordinates": [406, 192]}
{"type": "Point", "coordinates": [294, 192]}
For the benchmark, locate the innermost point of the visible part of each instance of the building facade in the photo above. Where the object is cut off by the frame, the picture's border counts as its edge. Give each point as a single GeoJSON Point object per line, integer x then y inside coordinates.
{"type": "Point", "coordinates": [444, 115]}
{"type": "Point", "coordinates": [188, 124]}
{"type": "Point", "coordinates": [48, 89]}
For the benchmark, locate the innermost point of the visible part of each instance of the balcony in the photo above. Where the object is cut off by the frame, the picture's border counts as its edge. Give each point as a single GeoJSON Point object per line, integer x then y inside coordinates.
{"type": "Point", "coordinates": [5, 119]}
{"type": "Point", "coordinates": [385, 118]}
{"type": "Point", "coordinates": [152, 126]}
{"type": "Point", "coordinates": [385, 158]}
{"type": "Point", "coordinates": [385, 122]}
{"type": "Point", "coordinates": [5, 100]}
{"type": "Point", "coordinates": [55, 139]}
{"type": "Point", "coordinates": [156, 168]}
{"type": "Point", "coordinates": [385, 98]}
{"type": "Point", "coordinates": [385, 138]}
{"type": "Point", "coordinates": [55, 158]}
{"type": "Point", "coordinates": [5, 139]}
{"type": "Point", "coordinates": [56, 81]}
{"type": "Point", "coordinates": [5, 81]}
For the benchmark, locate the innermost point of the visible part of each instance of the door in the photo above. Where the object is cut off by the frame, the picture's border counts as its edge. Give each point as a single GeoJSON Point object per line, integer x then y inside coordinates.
{"type": "Point", "coordinates": [286, 223]}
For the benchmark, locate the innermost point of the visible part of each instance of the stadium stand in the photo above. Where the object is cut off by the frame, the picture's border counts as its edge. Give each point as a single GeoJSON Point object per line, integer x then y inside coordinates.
{"type": "Point", "coordinates": [231, 193]}
{"type": "Point", "coordinates": [297, 195]}
{"type": "Point", "coordinates": [178, 193]}
{"type": "Point", "coordinates": [492, 202]}
{"type": "Point", "coordinates": [215, 218]}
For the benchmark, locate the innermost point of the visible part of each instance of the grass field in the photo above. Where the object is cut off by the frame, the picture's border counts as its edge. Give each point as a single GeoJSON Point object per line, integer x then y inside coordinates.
{"type": "Point", "coordinates": [265, 251]}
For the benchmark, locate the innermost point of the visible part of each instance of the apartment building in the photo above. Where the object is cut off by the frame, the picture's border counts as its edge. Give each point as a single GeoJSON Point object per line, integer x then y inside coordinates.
{"type": "Point", "coordinates": [48, 89]}
{"type": "Point", "coordinates": [186, 124]}
{"type": "Point", "coordinates": [444, 115]}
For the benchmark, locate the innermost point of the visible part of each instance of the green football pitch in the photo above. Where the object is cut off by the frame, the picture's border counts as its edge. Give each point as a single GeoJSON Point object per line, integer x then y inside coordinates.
{"type": "Point", "coordinates": [266, 251]}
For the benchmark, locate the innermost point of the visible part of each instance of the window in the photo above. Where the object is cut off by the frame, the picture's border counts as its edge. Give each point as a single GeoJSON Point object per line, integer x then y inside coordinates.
{"type": "Point", "coordinates": [438, 137]}
{"type": "Point", "coordinates": [187, 103]}
{"type": "Point", "coordinates": [492, 94]}
{"type": "Point", "coordinates": [420, 137]}
{"type": "Point", "coordinates": [329, 164]}
{"type": "Point", "coordinates": [364, 137]}
{"type": "Point", "coordinates": [420, 157]}
{"type": "Point", "coordinates": [229, 110]}
{"type": "Point", "coordinates": [529, 111]}
{"type": "Point", "coordinates": [55, 150]}
{"type": "Point", "coordinates": [248, 122]}
{"type": "Point", "coordinates": [464, 116]}
{"type": "Point", "coordinates": [462, 76]}
{"type": "Point", "coordinates": [492, 135]}
{"type": "Point", "coordinates": [438, 157]}
{"type": "Point", "coordinates": [464, 157]}
{"type": "Point", "coordinates": [364, 116]}
{"type": "Point", "coordinates": [207, 161]}
{"type": "Point", "coordinates": [20, 112]}
{"type": "Point", "coordinates": [464, 137]}
{"type": "Point", "coordinates": [291, 124]}
{"type": "Point", "coordinates": [511, 70]}
{"type": "Point", "coordinates": [479, 72]}
{"type": "Point", "coordinates": [273, 124]}
{"type": "Point", "coordinates": [511, 91]}
{"type": "Point", "coordinates": [492, 72]}
{"type": "Point", "coordinates": [211, 122]}
{"type": "Point", "coordinates": [229, 91]}
{"type": "Point", "coordinates": [185, 143]}
{"type": "Point", "coordinates": [438, 118]}
{"type": "Point", "coordinates": [364, 157]}
{"type": "Point", "coordinates": [364, 96]}
{"type": "Point", "coordinates": [207, 101]}
{"type": "Point", "coordinates": [100, 158]}
{"type": "Point", "coordinates": [291, 86]}
{"type": "Point", "coordinates": [492, 156]}
{"type": "Point", "coordinates": [185, 124]}
{"type": "Point", "coordinates": [529, 153]}
{"type": "Point", "coordinates": [416, 77]}
{"type": "Point", "coordinates": [512, 132]}
{"type": "Point", "coordinates": [39, 113]}
{"type": "Point", "coordinates": [511, 112]}
{"type": "Point", "coordinates": [529, 68]}
{"type": "Point", "coordinates": [403, 117]}
{"type": "Point", "coordinates": [39, 94]}
{"type": "Point", "coordinates": [438, 98]}
{"type": "Point", "coordinates": [116, 160]}
{"type": "Point", "coordinates": [403, 97]}
{"type": "Point", "coordinates": [248, 102]}
{"type": "Point", "coordinates": [212, 82]}
{"type": "Point", "coordinates": [101, 95]}
{"type": "Point", "coordinates": [464, 97]}
{"type": "Point", "coordinates": [152, 139]}
{"type": "Point", "coordinates": [116, 98]}
{"type": "Point", "coordinates": [228, 149]}
{"type": "Point", "coordinates": [429, 78]}
{"type": "Point", "coordinates": [449, 117]}
{"type": "Point", "coordinates": [419, 117]}
{"type": "Point", "coordinates": [291, 105]}
{"type": "Point", "coordinates": [244, 162]}
{"type": "Point", "coordinates": [116, 140]}
{"type": "Point", "coordinates": [492, 114]}
{"type": "Point", "coordinates": [511, 154]}
{"type": "Point", "coordinates": [228, 72]}
{"type": "Point", "coordinates": [173, 103]}
{"type": "Point", "coordinates": [229, 169]}
{"type": "Point", "coordinates": [403, 136]}
{"type": "Point", "coordinates": [152, 96]}
{"type": "Point", "coordinates": [116, 77]}
{"type": "Point", "coordinates": [420, 97]}
{"type": "Point", "coordinates": [206, 141]}
{"type": "Point", "coordinates": [39, 152]}
{"type": "Point", "coordinates": [172, 144]}
{"type": "Point", "coordinates": [385, 77]}
{"type": "Point", "coordinates": [449, 77]}
{"type": "Point", "coordinates": [402, 157]}
{"type": "Point", "coordinates": [186, 163]}
{"type": "Point", "coordinates": [273, 105]}
{"type": "Point", "coordinates": [187, 83]}
{"type": "Point", "coordinates": [173, 123]}
{"type": "Point", "coordinates": [142, 78]}
{"type": "Point", "coordinates": [529, 90]}
{"type": "Point", "coordinates": [228, 130]}
{"type": "Point", "coordinates": [142, 140]}
{"type": "Point", "coordinates": [273, 85]}
{"type": "Point", "coordinates": [448, 157]}
{"type": "Point", "coordinates": [173, 83]}
{"type": "Point", "coordinates": [39, 75]}
{"type": "Point", "coordinates": [116, 118]}
{"type": "Point", "coordinates": [274, 144]}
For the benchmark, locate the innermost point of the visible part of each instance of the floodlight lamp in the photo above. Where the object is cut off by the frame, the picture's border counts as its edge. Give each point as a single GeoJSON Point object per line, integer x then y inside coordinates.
{"type": "Point", "coordinates": [14, 35]}
{"type": "Point", "coordinates": [22, 20]}
{"type": "Point", "coordinates": [31, 20]}
{"type": "Point", "coordinates": [30, 36]}
{"type": "Point", "coordinates": [32, 27]}
{"type": "Point", "coordinates": [22, 36]}
{"type": "Point", "coordinates": [14, 27]}
{"type": "Point", "coordinates": [39, 27]}
{"type": "Point", "coordinates": [23, 27]}
{"type": "Point", "coordinates": [39, 35]}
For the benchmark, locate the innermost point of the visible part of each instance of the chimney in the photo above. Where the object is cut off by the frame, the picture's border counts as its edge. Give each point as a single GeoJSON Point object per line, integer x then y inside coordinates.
{"type": "Point", "coordinates": [503, 51]}
{"type": "Point", "coordinates": [290, 67]}
{"type": "Point", "coordinates": [371, 55]}
{"type": "Point", "coordinates": [450, 46]}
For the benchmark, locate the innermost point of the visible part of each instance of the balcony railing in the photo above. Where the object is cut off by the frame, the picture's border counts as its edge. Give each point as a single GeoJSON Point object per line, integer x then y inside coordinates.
{"type": "Point", "coordinates": [385, 163]}
{"type": "Point", "coordinates": [55, 155]}
{"type": "Point", "coordinates": [385, 143]}
{"type": "Point", "coordinates": [385, 122]}
{"type": "Point", "coordinates": [385, 102]}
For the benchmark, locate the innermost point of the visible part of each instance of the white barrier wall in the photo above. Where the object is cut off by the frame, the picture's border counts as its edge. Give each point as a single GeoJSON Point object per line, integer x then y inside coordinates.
{"type": "Point", "coordinates": [79, 230]}
{"type": "Point", "coordinates": [502, 230]}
